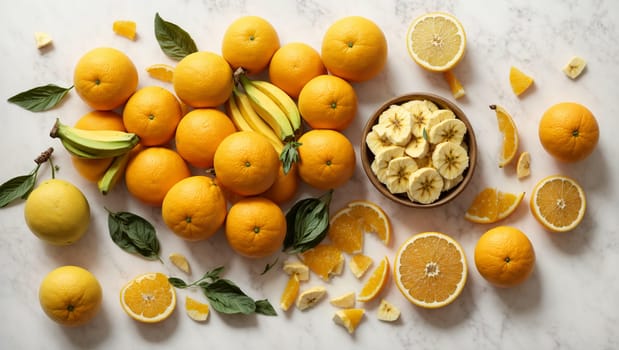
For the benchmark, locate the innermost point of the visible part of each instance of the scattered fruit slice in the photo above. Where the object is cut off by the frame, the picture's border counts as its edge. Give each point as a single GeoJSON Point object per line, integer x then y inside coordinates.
{"type": "Point", "coordinates": [523, 166]}
{"type": "Point", "coordinates": [420, 113]}
{"type": "Point", "coordinates": [450, 160]}
{"type": "Point", "coordinates": [430, 269]}
{"type": "Point", "coordinates": [297, 268]}
{"type": "Point", "coordinates": [398, 173]}
{"type": "Point", "coordinates": [359, 216]}
{"type": "Point", "coordinates": [376, 142]}
{"type": "Point", "coordinates": [290, 292]}
{"type": "Point", "coordinates": [574, 67]}
{"type": "Point", "coordinates": [510, 135]}
{"type": "Point", "coordinates": [491, 205]}
{"type": "Point", "coordinates": [359, 264]}
{"type": "Point", "coordinates": [180, 261]}
{"type": "Point", "coordinates": [395, 124]}
{"type": "Point", "coordinates": [457, 90]}
{"type": "Point", "coordinates": [325, 260]}
{"type": "Point", "coordinates": [519, 81]}
{"type": "Point", "coordinates": [310, 297]}
{"type": "Point", "coordinates": [436, 41]}
{"type": "Point", "coordinates": [196, 310]}
{"type": "Point", "coordinates": [148, 298]}
{"type": "Point", "coordinates": [344, 301]}
{"type": "Point", "coordinates": [42, 39]}
{"type": "Point", "coordinates": [377, 281]}
{"type": "Point", "coordinates": [125, 28]}
{"type": "Point", "coordinates": [349, 318]}
{"type": "Point", "coordinates": [161, 71]}
{"type": "Point", "coordinates": [425, 185]}
{"type": "Point", "coordinates": [558, 203]}
{"type": "Point", "coordinates": [451, 130]}
{"type": "Point", "coordinates": [387, 312]}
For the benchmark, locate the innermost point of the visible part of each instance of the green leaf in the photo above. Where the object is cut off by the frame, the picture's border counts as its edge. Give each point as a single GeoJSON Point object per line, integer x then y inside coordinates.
{"type": "Point", "coordinates": [289, 155]}
{"type": "Point", "coordinates": [264, 307]}
{"type": "Point", "coordinates": [133, 234]}
{"type": "Point", "coordinates": [177, 282]}
{"type": "Point", "coordinates": [173, 40]}
{"type": "Point", "coordinates": [226, 297]}
{"type": "Point", "coordinates": [17, 187]}
{"type": "Point", "coordinates": [268, 267]}
{"type": "Point", "coordinates": [307, 223]}
{"type": "Point", "coordinates": [41, 98]}
{"type": "Point", "coordinates": [425, 134]}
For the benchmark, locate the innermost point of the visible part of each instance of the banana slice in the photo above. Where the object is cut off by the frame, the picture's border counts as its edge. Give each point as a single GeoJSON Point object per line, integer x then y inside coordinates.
{"type": "Point", "coordinates": [344, 301]}
{"type": "Point", "coordinates": [398, 172]}
{"type": "Point", "coordinates": [425, 185]}
{"type": "Point", "coordinates": [450, 160]}
{"type": "Point", "coordinates": [420, 113]}
{"type": "Point", "coordinates": [298, 268]}
{"type": "Point", "coordinates": [382, 159]}
{"type": "Point", "coordinates": [375, 142]}
{"type": "Point", "coordinates": [417, 147]}
{"type": "Point", "coordinates": [439, 116]}
{"type": "Point", "coordinates": [310, 297]}
{"type": "Point", "coordinates": [574, 67]}
{"type": "Point", "coordinates": [449, 184]}
{"type": "Point", "coordinates": [395, 125]}
{"type": "Point", "coordinates": [451, 130]}
{"type": "Point", "coordinates": [387, 311]}
{"type": "Point", "coordinates": [431, 106]}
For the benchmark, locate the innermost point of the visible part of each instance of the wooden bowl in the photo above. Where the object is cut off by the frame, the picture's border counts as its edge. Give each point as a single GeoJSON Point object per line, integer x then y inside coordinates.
{"type": "Point", "coordinates": [367, 157]}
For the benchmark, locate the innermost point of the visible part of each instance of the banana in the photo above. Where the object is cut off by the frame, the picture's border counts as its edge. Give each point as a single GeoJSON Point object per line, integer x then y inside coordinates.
{"type": "Point", "coordinates": [298, 268]}
{"type": "Point", "coordinates": [450, 130]}
{"type": "Point", "coordinates": [114, 173]}
{"type": "Point", "coordinates": [269, 111]}
{"type": "Point", "coordinates": [418, 147]}
{"type": "Point", "coordinates": [450, 160]}
{"type": "Point", "coordinates": [232, 110]}
{"type": "Point", "coordinates": [574, 67]}
{"type": "Point", "coordinates": [310, 297]}
{"type": "Point", "coordinates": [375, 142]}
{"type": "Point", "coordinates": [387, 311]}
{"type": "Point", "coordinates": [425, 185]}
{"type": "Point", "coordinates": [438, 116]}
{"type": "Point", "coordinates": [280, 97]}
{"type": "Point", "coordinates": [398, 173]}
{"type": "Point", "coordinates": [431, 106]}
{"type": "Point", "coordinates": [94, 144]}
{"type": "Point", "coordinates": [382, 159]}
{"type": "Point", "coordinates": [420, 113]}
{"type": "Point", "coordinates": [395, 125]}
{"type": "Point", "coordinates": [449, 184]}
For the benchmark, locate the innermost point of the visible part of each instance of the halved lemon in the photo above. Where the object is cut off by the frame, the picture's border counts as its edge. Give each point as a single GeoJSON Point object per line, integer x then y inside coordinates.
{"type": "Point", "coordinates": [558, 203]}
{"type": "Point", "coordinates": [491, 205]}
{"type": "Point", "coordinates": [148, 298]}
{"type": "Point", "coordinates": [510, 135]}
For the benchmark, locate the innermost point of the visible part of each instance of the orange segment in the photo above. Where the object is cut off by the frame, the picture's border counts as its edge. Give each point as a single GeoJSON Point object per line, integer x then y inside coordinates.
{"type": "Point", "coordinates": [519, 81]}
{"type": "Point", "coordinates": [148, 298]}
{"type": "Point", "coordinates": [492, 205]}
{"type": "Point", "coordinates": [290, 292]}
{"type": "Point", "coordinates": [359, 264]}
{"type": "Point", "coordinates": [457, 90]}
{"type": "Point", "coordinates": [161, 72]}
{"type": "Point", "coordinates": [430, 269]}
{"type": "Point", "coordinates": [349, 223]}
{"type": "Point", "coordinates": [510, 135]}
{"type": "Point", "coordinates": [349, 318]}
{"type": "Point", "coordinates": [196, 310]}
{"type": "Point", "coordinates": [125, 28]}
{"type": "Point", "coordinates": [558, 203]}
{"type": "Point", "coordinates": [377, 281]}
{"type": "Point", "coordinates": [324, 260]}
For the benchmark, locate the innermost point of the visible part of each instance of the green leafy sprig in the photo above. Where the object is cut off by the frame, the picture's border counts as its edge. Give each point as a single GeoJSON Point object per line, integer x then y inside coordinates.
{"type": "Point", "coordinates": [21, 186]}
{"type": "Point", "coordinates": [133, 234]}
{"type": "Point", "coordinates": [307, 223]}
{"type": "Point", "coordinates": [40, 98]}
{"type": "Point", "coordinates": [173, 40]}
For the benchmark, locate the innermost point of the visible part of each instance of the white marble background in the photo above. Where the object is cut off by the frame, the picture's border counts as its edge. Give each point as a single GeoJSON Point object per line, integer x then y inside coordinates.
{"type": "Point", "coordinates": [570, 302]}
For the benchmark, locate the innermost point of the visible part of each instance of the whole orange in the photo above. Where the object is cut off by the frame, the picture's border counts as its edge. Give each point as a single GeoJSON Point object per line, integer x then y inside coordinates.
{"type": "Point", "coordinates": [93, 169]}
{"type": "Point", "coordinates": [285, 186]}
{"type": "Point", "coordinates": [255, 227]}
{"type": "Point", "coordinates": [199, 133]}
{"type": "Point", "coordinates": [194, 208]}
{"type": "Point", "coordinates": [105, 78]}
{"type": "Point", "coordinates": [326, 159]}
{"type": "Point", "coordinates": [203, 79]}
{"type": "Point", "coordinates": [354, 48]}
{"type": "Point", "coordinates": [504, 256]}
{"type": "Point", "coordinates": [568, 131]}
{"type": "Point", "coordinates": [250, 42]}
{"type": "Point", "coordinates": [152, 172]}
{"type": "Point", "coordinates": [152, 113]}
{"type": "Point", "coordinates": [328, 102]}
{"type": "Point", "coordinates": [246, 163]}
{"type": "Point", "coordinates": [293, 65]}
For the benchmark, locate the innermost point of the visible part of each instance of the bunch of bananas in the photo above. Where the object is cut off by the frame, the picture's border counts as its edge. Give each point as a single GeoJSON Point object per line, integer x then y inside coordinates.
{"type": "Point", "coordinates": [266, 109]}
{"type": "Point", "coordinates": [98, 144]}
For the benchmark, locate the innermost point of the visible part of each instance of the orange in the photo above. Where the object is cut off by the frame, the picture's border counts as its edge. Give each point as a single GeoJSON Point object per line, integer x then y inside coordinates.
{"type": "Point", "coordinates": [105, 78]}
{"type": "Point", "coordinates": [199, 133]}
{"type": "Point", "coordinates": [152, 113]}
{"type": "Point", "coordinates": [430, 269]}
{"type": "Point", "coordinates": [568, 131]}
{"type": "Point", "coordinates": [70, 295]}
{"type": "Point", "coordinates": [504, 256]}
{"type": "Point", "coordinates": [325, 260]}
{"type": "Point", "coordinates": [152, 172]}
{"type": "Point", "coordinates": [124, 28]}
{"type": "Point", "coordinates": [376, 283]}
{"type": "Point", "coordinates": [250, 42]}
{"type": "Point", "coordinates": [349, 318]}
{"type": "Point", "coordinates": [457, 90]}
{"type": "Point", "coordinates": [161, 71]}
{"type": "Point", "coordinates": [519, 81]}
{"type": "Point", "coordinates": [326, 159]}
{"type": "Point", "coordinates": [293, 65]}
{"type": "Point", "coordinates": [203, 79]}
{"type": "Point", "coordinates": [349, 223]}
{"type": "Point", "coordinates": [246, 163]}
{"type": "Point", "coordinates": [93, 169]}
{"type": "Point", "coordinates": [290, 293]}
{"type": "Point", "coordinates": [491, 205]}
{"type": "Point", "coordinates": [558, 203]}
{"type": "Point", "coordinates": [255, 227]}
{"type": "Point", "coordinates": [328, 102]}
{"type": "Point", "coordinates": [196, 310]}
{"type": "Point", "coordinates": [354, 48]}
{"type": "Point", "coordinates": [285, 186]}
{"type": "Point", "coordinates": [359, 264]}
{"type": "Point", "coordinates": [510, 135]}
{"type": "Point", "coordinates": [194, 208]}
{"type": "Point", "coordinates": [148, 298]}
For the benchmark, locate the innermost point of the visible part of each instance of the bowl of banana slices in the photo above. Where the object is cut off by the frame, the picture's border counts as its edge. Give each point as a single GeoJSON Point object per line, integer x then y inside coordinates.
{"type": "Point", "coordinates": [419, 150]}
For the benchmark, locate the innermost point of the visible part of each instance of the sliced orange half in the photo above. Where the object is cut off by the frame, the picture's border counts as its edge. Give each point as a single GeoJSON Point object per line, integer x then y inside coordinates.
{"type": "Point", "coordinates": [196, 310]}
{"type": "Point", "coordinates": [161, 71]}
{"type": "Point", "coordinates": [510, 135]}
{"type": "Point", "coordinates": [491, 205]}
{"type": "Point", "coordinates": [377, 281]}
{"type": "Point", "coordinates": [349, 224]}
{"type": "Point", "coordinates": [148, 298]}
{"type": "Point", "coordinates": [558, 203]}
{"type": "Point", "coordinates": [430, 269]}
{"type": "Point", "coordinates": [325, 260]}
{"type": "Point", "coordinates": [519, 81]}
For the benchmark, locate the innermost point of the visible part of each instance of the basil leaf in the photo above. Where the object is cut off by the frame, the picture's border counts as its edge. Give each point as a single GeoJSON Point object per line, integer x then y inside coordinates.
{"type": "Point", "coordinates": [17, 187]}
{"type": "Point", "coordinates": [133, 234]}
{"type": "Point", "coordinates": [173, 40]}
{"type": "Point", "coordinates": [308, 223]}
{"type": "Point", "coordinates": [177, 282]}
{"type": "Point", "coordinates": [265, 308]}
{"type": "Point", "coordinates": [289, 155]}
{"type": "Point", "coordinates": [225, 297]}
{"type": "Point", "coordinates": [40, 98]}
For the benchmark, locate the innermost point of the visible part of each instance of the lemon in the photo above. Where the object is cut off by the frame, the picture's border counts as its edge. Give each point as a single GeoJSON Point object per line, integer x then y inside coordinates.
{"type": "Point", "coordinates": [57, 212]}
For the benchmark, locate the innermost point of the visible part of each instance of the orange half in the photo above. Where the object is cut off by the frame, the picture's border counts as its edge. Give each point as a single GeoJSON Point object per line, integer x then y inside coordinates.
{"type": "Point", "coordinates": [558, 203]}
{"type": "Point", "coordinates": [148, 298]}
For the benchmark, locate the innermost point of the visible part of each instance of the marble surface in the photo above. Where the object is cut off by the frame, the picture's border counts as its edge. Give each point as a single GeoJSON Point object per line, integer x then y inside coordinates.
{"type": "Point", "coordinates": [570, 301]}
